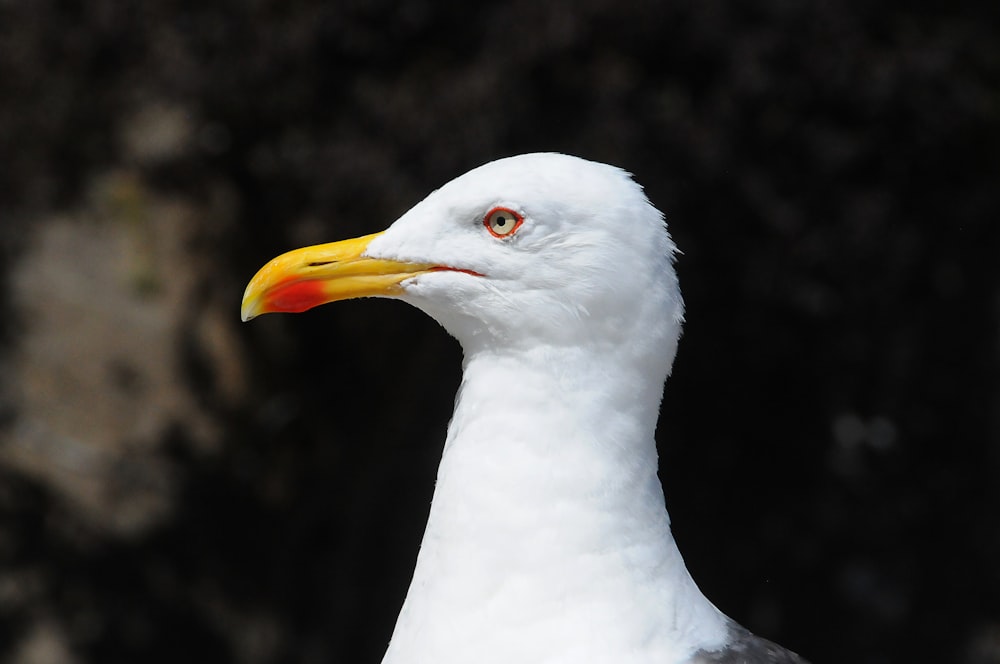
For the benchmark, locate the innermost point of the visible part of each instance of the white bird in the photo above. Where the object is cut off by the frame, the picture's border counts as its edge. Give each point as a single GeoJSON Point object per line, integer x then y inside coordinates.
{"type": "Point", "coordinates": [548, 540]}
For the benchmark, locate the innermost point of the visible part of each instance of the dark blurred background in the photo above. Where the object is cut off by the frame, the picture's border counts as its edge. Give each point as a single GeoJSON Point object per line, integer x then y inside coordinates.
{"type": "Point", "coordinates": [177, 485]}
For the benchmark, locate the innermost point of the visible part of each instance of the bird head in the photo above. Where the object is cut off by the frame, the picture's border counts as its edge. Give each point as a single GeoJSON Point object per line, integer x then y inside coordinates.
{"type": "Point", "coordinates": [533, 247]}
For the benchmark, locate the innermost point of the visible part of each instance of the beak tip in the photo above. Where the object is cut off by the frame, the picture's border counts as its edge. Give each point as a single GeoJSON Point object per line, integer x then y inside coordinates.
{"type": "Point", "coordinates": [248, 312]}
{"type": "Point", "coordinates": [250, 305]}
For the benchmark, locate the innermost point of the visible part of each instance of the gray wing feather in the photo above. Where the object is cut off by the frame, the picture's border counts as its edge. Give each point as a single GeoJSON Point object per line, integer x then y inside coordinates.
{"type": "Point", "coordinates": [743, 647]}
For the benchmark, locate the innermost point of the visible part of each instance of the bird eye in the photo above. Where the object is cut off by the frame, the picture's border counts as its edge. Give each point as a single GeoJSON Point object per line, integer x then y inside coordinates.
{"type": "Point", "coordinates": [502, 222]}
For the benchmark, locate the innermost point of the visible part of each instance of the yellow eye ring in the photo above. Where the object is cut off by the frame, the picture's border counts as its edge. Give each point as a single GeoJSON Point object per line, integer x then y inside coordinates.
{"type": "Point", "coordinates": [502, 222]}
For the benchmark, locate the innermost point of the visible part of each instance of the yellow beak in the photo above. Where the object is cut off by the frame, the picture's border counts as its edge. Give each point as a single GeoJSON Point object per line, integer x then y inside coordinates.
{"type": "Point", "coordinates": [308, 277]}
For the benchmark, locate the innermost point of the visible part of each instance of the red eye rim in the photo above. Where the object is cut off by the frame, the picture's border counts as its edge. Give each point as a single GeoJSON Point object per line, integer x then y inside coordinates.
{"type": "Point", "coordinates": [518, 220]}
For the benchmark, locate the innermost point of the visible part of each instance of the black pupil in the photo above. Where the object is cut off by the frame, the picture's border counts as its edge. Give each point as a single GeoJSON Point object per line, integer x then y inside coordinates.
{"type": "Point", "coordinates": [501, 220]}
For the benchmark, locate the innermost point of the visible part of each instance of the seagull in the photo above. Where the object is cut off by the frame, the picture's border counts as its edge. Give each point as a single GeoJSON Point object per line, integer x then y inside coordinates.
{"type": "Point", "coordinates": [548, 540]}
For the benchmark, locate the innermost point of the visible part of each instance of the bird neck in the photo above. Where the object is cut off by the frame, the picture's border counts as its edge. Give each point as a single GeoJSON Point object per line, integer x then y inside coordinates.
{"type": "Point", "coordinates": [547, 500]}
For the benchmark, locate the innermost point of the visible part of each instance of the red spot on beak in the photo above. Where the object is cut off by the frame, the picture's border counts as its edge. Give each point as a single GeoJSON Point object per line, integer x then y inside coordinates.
{"type": "Point", "coordinates": [295, 296]}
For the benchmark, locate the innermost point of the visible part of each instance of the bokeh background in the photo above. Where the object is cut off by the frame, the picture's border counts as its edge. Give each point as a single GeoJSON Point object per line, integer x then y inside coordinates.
{"type": "Point", "coordinates": [175, 485]}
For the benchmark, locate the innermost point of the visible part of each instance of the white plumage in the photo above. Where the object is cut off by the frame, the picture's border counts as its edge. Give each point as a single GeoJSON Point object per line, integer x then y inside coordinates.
{"type": "Point", "coordinates": [548, 540]}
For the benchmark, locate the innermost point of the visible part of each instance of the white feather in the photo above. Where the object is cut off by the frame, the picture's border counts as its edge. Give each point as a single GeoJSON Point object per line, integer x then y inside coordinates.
{"type": "Point", "coordinates": [548, 540]}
